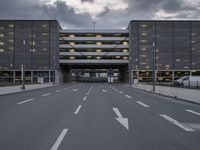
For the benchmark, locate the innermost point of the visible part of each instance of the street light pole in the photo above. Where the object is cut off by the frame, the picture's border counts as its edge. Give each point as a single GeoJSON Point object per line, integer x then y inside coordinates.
{"type": "Point", "coordinates": [154, 67]}
{"type": "Point", "coordinates": [54, 66]}
{"type": "Point", "coordinates": [23, 68]}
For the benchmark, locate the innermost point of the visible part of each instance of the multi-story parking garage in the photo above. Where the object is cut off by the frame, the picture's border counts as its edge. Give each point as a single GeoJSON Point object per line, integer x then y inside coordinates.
{"type": "Point", "coordinates": [176, 49]}
{"type": "Point", "coordinates": [45, 49]}
{"type": "Point", "coordinates": [90, 54]}
{"type": "Point", "coordinates": [31, 43]}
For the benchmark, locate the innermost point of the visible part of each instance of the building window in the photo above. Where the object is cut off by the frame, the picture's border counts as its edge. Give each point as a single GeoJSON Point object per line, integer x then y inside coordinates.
{"type": "Point", "coordinates": [2, 35]}
{"type": "Point", "coordinates": [1, 50]}
{"type": "Point", "coordinates": [11, 25]}
{"type": "Point", "coordinates": [1, 43]}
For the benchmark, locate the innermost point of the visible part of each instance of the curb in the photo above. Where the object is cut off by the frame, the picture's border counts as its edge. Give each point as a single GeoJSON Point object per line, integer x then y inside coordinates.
{"type": "Point", "coordinates": [27, 90]}
{"type": "Point", "coordinates": [180, 99]}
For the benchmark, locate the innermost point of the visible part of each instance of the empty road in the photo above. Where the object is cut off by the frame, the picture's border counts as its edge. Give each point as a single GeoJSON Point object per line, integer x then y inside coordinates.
{"type": "Point", "coordinates": [97, 116]}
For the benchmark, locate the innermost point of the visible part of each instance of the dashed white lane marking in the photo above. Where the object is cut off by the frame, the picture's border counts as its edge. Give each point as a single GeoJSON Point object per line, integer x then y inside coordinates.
{"type": "Point", "coordinates": [175, 122]}
{"type": "Point", "coordinates": [28, 100]}
{"type": "Point", "coordinates": [59, 139]}
{"type": "Point", "coordinates": [57, 91]}
{"type": "Point", "coordinates": [116, 90]}
{"type": "Point", "coordinates": [128, 96]}
{"type": "Point", "coordinates": [46, 94]}
{"type": "Point", "coordinates": [75, 90]}
{"type": "Point", "coordinates": [64, 88]}
{"type": "Point", "coordinates": [121, 92]}
{"type": "Point", "coordinates": [87, 93]}
{"type": "Point", "coordinates": [84, 98]}
{"type": "Point", "coordinates": [104, 90]}
{"type": "Point", "coordinates": [142, 104]}
{"type": "Point", "coordinates": [78, 109]}
{"type": "Point", "coordinates": [191, 111]}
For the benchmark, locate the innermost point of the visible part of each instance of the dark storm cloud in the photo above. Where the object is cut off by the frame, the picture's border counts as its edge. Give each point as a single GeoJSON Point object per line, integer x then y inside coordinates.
{"type": "Point", "coordinates": [137, 9]}
{"type": "Point", "coordinates": [87, 0]}
{"type": "Point", "coordinates": [22, 9]}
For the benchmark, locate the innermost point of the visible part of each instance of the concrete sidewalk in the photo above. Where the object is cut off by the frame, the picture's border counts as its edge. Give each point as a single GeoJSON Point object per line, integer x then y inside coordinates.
{"type": "Point", "coordinates": [16, 89]}
{"type": "Point", "coordinates": [190, 95]}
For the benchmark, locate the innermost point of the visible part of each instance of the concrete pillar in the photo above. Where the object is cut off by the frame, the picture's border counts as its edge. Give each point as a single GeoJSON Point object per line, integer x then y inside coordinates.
{"type": "Point", "coordinates": [49, 76]}
{"type": "Point", "coordinates": [173, 77]}
{"type": "Point", "coordinates": [138, 76]}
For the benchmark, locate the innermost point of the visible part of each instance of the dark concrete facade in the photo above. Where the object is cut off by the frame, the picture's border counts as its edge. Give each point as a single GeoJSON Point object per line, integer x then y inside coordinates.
{"type": "Point", "coordinates": [33, 43]}
{"type": "Point", "coordinates": [177, 48]}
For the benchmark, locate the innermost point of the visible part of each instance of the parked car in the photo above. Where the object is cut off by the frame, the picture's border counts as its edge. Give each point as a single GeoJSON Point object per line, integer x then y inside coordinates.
{"type": "Point", "coordinates": [186, 81]}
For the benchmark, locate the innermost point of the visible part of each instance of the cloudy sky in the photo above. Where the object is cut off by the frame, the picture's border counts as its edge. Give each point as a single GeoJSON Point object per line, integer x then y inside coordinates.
{"type": "Point", "coordinates": [107, 13]}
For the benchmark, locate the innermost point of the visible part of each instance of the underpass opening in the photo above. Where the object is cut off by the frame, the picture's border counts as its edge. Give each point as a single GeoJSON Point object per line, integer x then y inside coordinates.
{"type": "Point", "coordinates": [95, 73]}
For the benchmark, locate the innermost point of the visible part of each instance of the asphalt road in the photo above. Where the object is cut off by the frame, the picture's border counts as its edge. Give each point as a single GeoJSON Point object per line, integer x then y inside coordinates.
{"type": "Point", "coordinates": [97, 116]}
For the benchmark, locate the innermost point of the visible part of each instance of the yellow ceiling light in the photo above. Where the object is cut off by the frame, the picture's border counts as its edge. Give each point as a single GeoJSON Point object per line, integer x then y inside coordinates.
{"type": "Point", "coordinates": [98, 57]}
{"type": "Point", "coordinates": [125, 50]}
{"type": "Point", "coordinates": [98, 43]}
{"type": "Point", "coordinates": [72, 43]}
{"type": "Point", "coordinates": [125, 57]}
{"type": "Point", "coordinates": [98, 35]}
{"type": "Point", "coordinates": [89, 57]}
{"type": "Point", "coordinates": [72, 57]}
{"type": "Point", "coordinates": [71, 50]}
{"type": "Point", "coordinates": [125, 43]}
{"type": "Point", "coordinates": [118, 57]}
{"type": "Point", "coordinates": [71, 35]}
{"type": "Point", "coordinates": [98, 50]}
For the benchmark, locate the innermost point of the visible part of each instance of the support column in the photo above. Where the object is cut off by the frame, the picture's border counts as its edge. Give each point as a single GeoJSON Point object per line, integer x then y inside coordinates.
{"type": "Point", "coordinates": [49, 76]}
{"type": "Point", "coordinates": [173, 77]}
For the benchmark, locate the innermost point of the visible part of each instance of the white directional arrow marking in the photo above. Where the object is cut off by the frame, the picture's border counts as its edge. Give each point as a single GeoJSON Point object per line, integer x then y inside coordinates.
{"type": "Point", "coordinates": [120, 119]}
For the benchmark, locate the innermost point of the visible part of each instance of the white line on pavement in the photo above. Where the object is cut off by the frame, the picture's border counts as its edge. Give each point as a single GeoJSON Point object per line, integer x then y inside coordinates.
{"type": "Point", "coordinates": [46, 94]}
{"type": "Point", "coordinates": [64, 88]}
{"type": "Point", "coordinates": [175, 122]}
{"type": "Point", "coordinates": [116, 89]}
{"type": "Point", "coordinates": [85, 98]}
{"type": "Point", "coordinates": [75, 90]}
{"type": "Point", "coordinates": [87, 93]}
{"type": "Point", "coordinates": [121, 92]}
{"type": "Point", "coordinates": [104, 90]}
{"type": "Point", "coordinates": [57, 90]}
{"type": "Point", "coordinates": [28, 100]}
{"type": "Point", "coordinates": [59, 140]}
{"type": "Point", "coordinates": [141, 103]}
{"type": "Point", "coordinates": [78, 109]}
{"type": "Point", "coordinates": [191, 111]}
{"type": "Point", "coordinates": [128, 96]}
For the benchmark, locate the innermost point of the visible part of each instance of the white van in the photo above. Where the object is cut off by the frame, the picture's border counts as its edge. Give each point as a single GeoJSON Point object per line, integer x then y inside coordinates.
{"type": "Point", "coordinates": [186, 81]}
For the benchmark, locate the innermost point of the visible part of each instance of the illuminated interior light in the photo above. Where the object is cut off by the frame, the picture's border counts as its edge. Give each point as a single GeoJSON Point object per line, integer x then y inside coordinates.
{"type": "Point", "coordinates": [98, 50]}
{"type": "Point", "coordinates": [125, 57]}
{"type": "Point", "coordinates": [72, 50]}
{"type": "Point", "coordinates": [98, 35]}
{"type": "Point", "coordinates": [118, 57]}
{"type": "Point", "coordinates": [98, 43]}
{"type": "Point", "coordinates": [125, 43]}
{"type": "Point", "coordinates": [71, 35]}
{"type": "Point", "coordinates": [125, 50]}
{"type": "Point", "coordinates": [72, 57]}
{"type": "Point", "coordinates": [143, 25]}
